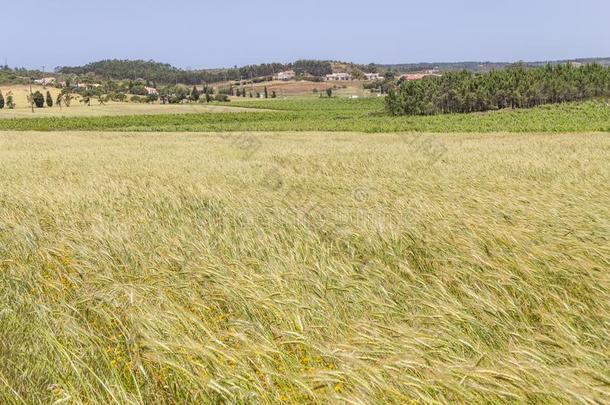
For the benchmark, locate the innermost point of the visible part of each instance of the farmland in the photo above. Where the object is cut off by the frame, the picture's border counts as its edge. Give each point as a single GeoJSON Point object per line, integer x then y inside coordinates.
{"type": "Point", "coordinates": [110, 108]}
{"type": "Point", "coordinates": [309, 267]}
{"type": "Point", "coordinates": [304, 249]}
{"type": "Point", "coordinates": [336, 115]}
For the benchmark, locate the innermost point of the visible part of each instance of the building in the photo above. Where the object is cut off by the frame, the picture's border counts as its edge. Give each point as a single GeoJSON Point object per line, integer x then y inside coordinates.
{"type": "Point", "coordinates": [45, 81]}
{"type": "Point", "coordinates": [287, 75]}
{"type": "Point", "coordinates": [335, 77]}
{"type": "Point", "coordinates": [87, 85]}
{"type": "Point", "coordinates": [373, 76]}
{"type": "Point", "coordinates": [420, 75]}
{"type": "Point", "coordinates": [151, 91]}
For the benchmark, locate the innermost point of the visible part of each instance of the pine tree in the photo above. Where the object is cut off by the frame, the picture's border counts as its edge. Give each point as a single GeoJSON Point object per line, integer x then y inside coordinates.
{"type": "Point", "coordinates": [49, 99]}
{"type": "Point", "coordinates": [514, 87]}
{"type": "Point", "coordinates": [266, 92]}
{"type": "Point", "coordinates": [195, 94]}
{"type": "Point", "coordinates": [38, 99]}
{"type": "Point", "coordinates": [10, 102]}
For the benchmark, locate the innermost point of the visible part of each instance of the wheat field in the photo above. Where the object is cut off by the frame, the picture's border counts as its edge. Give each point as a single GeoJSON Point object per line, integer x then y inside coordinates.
{"type": "Point", "coordinates": [304, 268]}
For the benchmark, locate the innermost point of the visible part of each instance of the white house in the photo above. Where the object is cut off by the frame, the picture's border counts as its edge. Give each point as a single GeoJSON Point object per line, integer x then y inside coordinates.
{"type": "Point", "coordinates": [338, 77]}
{"type": "Point", "coordinates": [87, 85]}
{"type": "Point", "coordinates": [373, 76]}
{"type": "Point", "coordinates": [45, 81]}
{"type": "Point", "coordinates": [287, 75]}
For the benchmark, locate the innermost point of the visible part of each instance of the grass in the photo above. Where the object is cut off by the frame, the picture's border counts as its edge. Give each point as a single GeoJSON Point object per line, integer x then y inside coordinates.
{"type": "Point", "coordinates": [335, 115]}
{"type": "Point", "coordinates": [23, 109]}
{"type": "Point", "coordinates": [116, 109]}
{"type": "Point", "coordinates": [302, 89]}
{"type": "Point", "coordinates": [21, 92]}
{"type": "Point", "coordinates": [304, 268]}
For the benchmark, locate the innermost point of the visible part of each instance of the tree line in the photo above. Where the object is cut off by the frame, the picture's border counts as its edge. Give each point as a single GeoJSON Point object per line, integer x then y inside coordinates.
{"type": "Point", "coordinates": [166, 74]}
{"type": "Point", "coordinates": [514, 87]}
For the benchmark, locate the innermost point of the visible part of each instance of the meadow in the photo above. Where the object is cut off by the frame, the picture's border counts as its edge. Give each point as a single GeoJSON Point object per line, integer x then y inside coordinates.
{"type": "Point", "coordinates": [305, 267]}
{"type": "Point", "coordinates": [323, 114]}
{"type": "Point", "coordinates": [110, 108]}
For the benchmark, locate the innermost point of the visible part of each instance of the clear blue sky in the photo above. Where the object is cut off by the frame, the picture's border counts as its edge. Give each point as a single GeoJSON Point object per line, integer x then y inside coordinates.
{"type": "Point", "coordinates": [204, 34]}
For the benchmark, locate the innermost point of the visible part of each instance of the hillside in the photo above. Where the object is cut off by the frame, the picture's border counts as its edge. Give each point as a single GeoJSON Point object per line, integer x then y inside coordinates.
{"type": "Point", "coordinates": [164, 73]}
{"type": "Point", "coordinates": [167, 74]}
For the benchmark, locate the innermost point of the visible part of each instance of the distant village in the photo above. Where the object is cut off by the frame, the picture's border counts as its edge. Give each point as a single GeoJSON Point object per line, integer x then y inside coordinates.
{"type": "Point", "coordinates": [358, 83]}
{"type": "Point", "coordinates": [337, 77]}
{"type": "Point", "coordinates": [282, 76]}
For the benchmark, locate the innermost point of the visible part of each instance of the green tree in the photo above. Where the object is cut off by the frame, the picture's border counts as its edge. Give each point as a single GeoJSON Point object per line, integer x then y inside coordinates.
{"type": "Point", "coordinates": [517, 86]}
{"type": "Point", "coordinates": [195, 94]}
{"type": "Point", "coordinates": [138, 89]}
{"type": "Point", "coordinates": [49, 99]}
{"type": "Point", "coordinates": [266, 92]}
{"type": "Point", "coordinates": [329, 92]}
{"type": "Point", "coordinates": [10, 102]}
{"type": "Point", "coordinates": [273, 94]}
{"type": "Point", "coordinates": [86, 98]}
{"type": "Point", "coordinates": [1, 100]}
{"type": "Point", "coordinates": [67, 97]}
{"type": "Point", "coordinates": [118, 96]}
{"type": "Point", "coordinates": [38, 99]}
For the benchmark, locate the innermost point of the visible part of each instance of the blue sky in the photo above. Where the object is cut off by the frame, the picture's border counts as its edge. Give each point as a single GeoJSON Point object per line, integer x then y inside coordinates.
{"type": "Point", "coordinates": [205, 34]}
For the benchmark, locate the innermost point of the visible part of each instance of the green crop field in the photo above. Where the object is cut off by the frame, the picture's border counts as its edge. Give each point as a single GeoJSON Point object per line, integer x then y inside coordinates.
{"type": "Point", "coordinates": [336, 115]}
{"type": "Point", "coordinates": [306, 267]}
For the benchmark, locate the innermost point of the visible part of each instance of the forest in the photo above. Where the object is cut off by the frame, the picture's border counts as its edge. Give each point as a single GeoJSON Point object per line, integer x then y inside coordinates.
{"type": "Point", "coordinates": [515, 87]}
{"type": "Point", "coordinates": [163, 73]}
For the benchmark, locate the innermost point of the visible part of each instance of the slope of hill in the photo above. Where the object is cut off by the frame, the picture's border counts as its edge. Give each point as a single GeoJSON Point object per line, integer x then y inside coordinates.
{"type": "Point", "coordinates": [168, 74]}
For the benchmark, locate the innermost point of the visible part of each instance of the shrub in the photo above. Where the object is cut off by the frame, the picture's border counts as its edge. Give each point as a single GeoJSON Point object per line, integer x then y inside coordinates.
{"type": "Point", "coordinates": [38, 99]}
{"type": "Point", "coordinates": [49, 99]}
{"type": "Point", "coordinates": [10, 103]}
{"type": "Point", "coordinates": [138, 90]}
{"type": "Point", "coordinates": [119, 97]}
{"type": "Point", "coordinates": [195, 94]}
{"type": "Point", "coordinates": [1, 100]}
